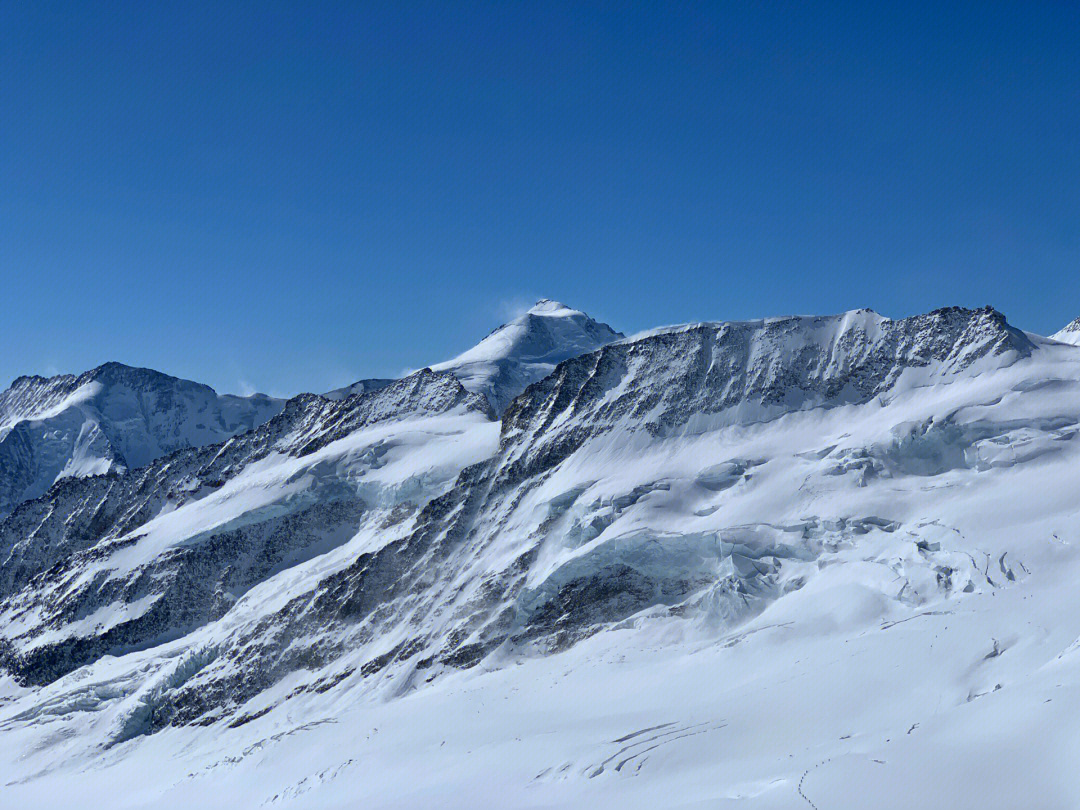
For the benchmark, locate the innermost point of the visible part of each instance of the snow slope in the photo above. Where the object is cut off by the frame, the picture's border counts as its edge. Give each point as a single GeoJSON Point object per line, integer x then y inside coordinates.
{"type": "Point", "coordinates": [112, 417]}
{"type": "Point", "coordinates": [799, 562]}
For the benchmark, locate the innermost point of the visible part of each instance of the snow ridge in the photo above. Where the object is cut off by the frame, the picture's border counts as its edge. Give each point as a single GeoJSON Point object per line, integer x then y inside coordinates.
{"type": "Point", "coordinates": [359, 387]}
{"type": "Point", "coordinates": [710, 374]}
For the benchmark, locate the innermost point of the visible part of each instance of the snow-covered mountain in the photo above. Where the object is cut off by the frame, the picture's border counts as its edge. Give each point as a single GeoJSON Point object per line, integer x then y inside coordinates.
{"type": "Point", "coordinates": [1069, 334]}
{"type": "Point", "coordinates": [527, 349]}
{"type": "Point", "coordinates": [763, 564]}
{"type": "Point", "coordinates": [112, 417]}
{"type": "Point", "coordinates": [515, 354]}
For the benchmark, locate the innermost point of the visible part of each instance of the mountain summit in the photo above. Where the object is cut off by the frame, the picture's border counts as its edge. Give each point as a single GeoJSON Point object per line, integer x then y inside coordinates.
{"type": "Point", "coordinates": [527, 349]}
{"type": "Point", "coordinates": [1069, 334]}
{"type": "Point", "coordinates": [111, 417]}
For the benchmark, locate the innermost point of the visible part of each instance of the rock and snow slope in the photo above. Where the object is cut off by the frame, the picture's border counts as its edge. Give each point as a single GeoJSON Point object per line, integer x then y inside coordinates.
{"type": "Point", "coordinates": [110, 563]}
{"type": "Point", "coordinates": [766, 564]}
{"type": "Point", "coordinates": [112, 417]}
{"type": "Point", "coordinates": [359, 387]}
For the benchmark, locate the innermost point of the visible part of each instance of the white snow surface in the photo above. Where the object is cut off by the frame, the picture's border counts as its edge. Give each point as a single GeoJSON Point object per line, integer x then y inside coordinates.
{"type": "Point", "coordinates": [526, 349]}
{"type": "Point", "coordinates": [855, 594]}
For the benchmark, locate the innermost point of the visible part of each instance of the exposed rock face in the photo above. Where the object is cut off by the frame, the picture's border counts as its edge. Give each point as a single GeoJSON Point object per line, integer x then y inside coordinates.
{"type": "Point", "coordinates": [111, 418]}
{"type": "Point", "coordinates": [391, 535]}
{"type": "Point", "coordinates": [711, 374]}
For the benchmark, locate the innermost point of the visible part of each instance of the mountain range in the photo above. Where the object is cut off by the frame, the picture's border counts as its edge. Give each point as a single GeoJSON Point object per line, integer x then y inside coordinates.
{"type": "Point", "coordinates": [765, 564]}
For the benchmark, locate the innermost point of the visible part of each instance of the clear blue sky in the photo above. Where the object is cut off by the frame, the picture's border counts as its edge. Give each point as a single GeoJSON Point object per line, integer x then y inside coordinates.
{"type": "Point", "coordinates": [292, 196]}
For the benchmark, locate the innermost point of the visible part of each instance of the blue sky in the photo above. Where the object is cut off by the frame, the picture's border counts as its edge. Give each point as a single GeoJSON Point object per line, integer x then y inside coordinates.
{"type": "Point", "coordinates": [289, 197]}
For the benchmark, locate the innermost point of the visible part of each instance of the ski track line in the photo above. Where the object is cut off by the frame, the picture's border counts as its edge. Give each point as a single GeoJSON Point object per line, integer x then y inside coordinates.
{"type": "Point", "coordinates": [802, 779]}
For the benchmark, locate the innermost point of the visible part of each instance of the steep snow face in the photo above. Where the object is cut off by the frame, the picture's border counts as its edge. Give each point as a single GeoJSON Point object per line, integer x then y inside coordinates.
{"type": "Point", "coordinates": [1070, 334]}
{"type": "Point", "coordinates": [754, 563]}
{"type": "Point", "coordinates": [113, 417]}
{"type": "Point", "coordinates": [526, 349]}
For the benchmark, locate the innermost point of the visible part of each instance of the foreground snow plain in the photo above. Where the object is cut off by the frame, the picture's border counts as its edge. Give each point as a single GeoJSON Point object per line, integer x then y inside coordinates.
{"type": "Point", "coordinates": [906, 632]}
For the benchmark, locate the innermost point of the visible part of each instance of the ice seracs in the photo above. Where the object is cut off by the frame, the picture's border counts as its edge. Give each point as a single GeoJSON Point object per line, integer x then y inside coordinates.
{"type": "Point", "coordinates": [526, 349]}
{"type": "Point", "coordinates": [112, 417]}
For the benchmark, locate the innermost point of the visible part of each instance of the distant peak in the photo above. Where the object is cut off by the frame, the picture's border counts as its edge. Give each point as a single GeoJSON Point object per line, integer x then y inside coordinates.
{"type": "Point", "coordinates": [526, 349]}
{"type": "Point", "coordinates": [114, 372]}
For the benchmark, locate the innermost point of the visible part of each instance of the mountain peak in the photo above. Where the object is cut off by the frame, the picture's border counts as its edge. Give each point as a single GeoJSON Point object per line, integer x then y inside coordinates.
{"type": "Point", "coordinates": [527, 349]}
{"type": "Point", "coordinates": [1070, 333]}
{"type": "Point", "coordinates": [110, 417]}
{"type": "Point", "coordinates": [116, 373]}
{"type": "Point", "coordinates": [546, 306]}
{"type": "Point", "coordinates": [113, 366]}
